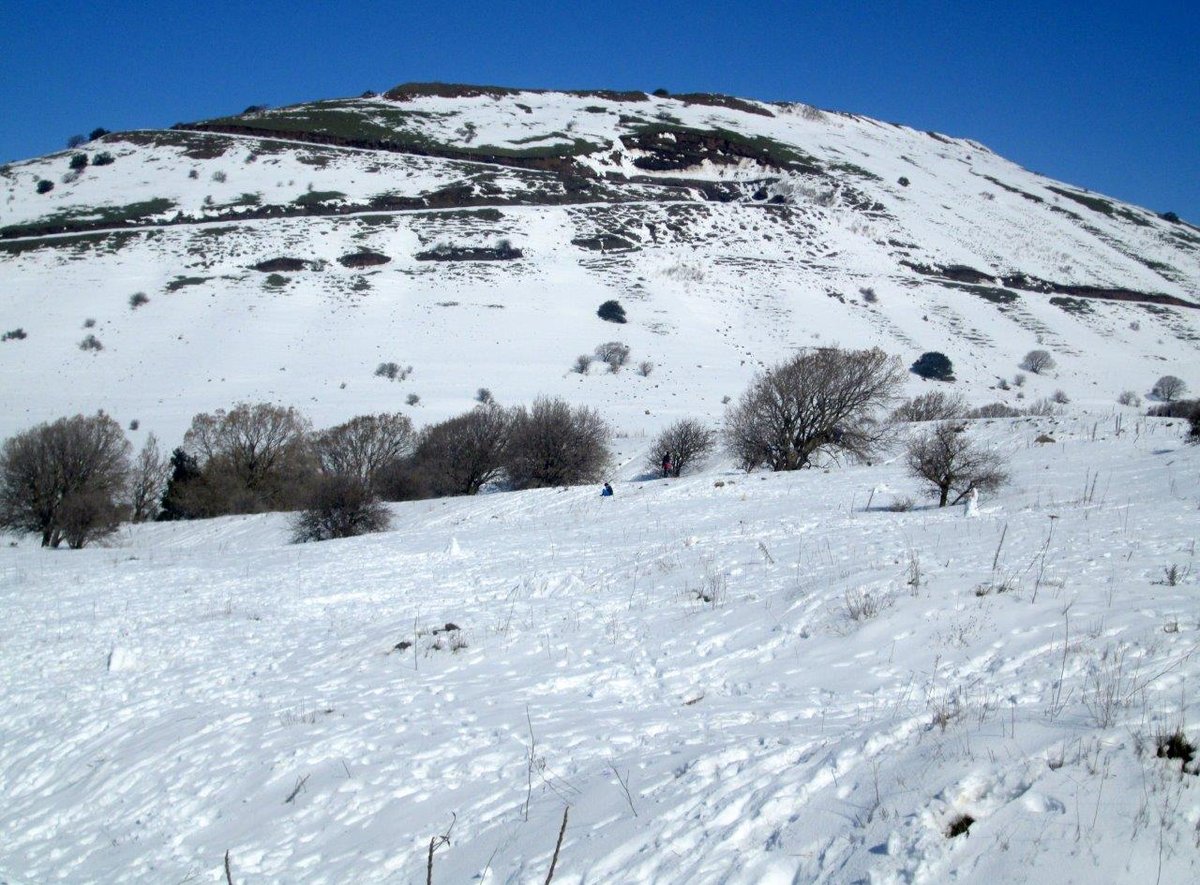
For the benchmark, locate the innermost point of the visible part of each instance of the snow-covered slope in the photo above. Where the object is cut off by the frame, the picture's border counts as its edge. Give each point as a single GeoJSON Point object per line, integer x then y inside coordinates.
{"type": "Point", "coordinates": [733, 232]}
{"type": "Point", "coordinates": [725, 678]}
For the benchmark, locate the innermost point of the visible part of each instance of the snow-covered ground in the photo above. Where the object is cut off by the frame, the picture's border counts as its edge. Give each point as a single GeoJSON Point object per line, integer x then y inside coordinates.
{"type": "Point", "coordinates": [206, 687]}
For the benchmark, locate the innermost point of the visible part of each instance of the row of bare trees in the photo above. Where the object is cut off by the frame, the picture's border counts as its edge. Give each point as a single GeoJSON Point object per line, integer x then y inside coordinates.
{"type": "Point", "coordinates": [72, 480]}
{"type": "Point", "coordinates": [75, 479]}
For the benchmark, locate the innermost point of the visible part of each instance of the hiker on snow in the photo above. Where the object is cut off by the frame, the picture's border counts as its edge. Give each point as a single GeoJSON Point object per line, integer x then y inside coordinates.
{"type": "Point", "coordinates": [607, 491]}
{"type": "Point", "coordinates": [666, 464]}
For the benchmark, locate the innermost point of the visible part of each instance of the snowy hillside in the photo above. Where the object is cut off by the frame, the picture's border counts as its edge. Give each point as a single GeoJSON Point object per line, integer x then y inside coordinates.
{"type": "Point", "coordinates": [472, 233]}
{"type": "Point", "coordinates": [725, 678]}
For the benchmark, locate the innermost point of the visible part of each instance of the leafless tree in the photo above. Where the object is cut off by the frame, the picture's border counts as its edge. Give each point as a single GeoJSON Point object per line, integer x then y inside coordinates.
{"type": "Point", "coordinates": [364, 446]}
{"type": "Point", "coordinates": [256, 452]}
{"type": "Point", "coordinates": [339, 505]}
{"type": "Point", "coordinates": [687, 441]}
{"type": "Point", "coordinates": [932, 406]}
{"type": "Point", "coordinates": [460, 455]}
{"type": "Point", "coordinates": [64, 479]}
{"type": "Point", "coordinates": [614, 353]}
{"type": "Point", "coordinates": [554, 444]}
{"type": "Point", "coordinates": [822, 401]}
{"type": "Point", "coordinates": [1169, 388]}
{"type": "Point", "coordinates": [949, 462]}
{"type": "Point", "coordinates": [1038, 361]}
{"type": "Point", "coordinates": [147, 481]}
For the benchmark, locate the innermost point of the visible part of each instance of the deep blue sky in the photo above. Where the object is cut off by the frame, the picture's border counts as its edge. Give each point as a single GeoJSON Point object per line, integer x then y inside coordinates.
{"type": "Point", "coordinates": [1102, 94]}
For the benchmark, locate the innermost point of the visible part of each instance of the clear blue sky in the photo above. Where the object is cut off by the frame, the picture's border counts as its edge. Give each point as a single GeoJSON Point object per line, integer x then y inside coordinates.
{"type": "Point", "coordinates": [1100, 94]}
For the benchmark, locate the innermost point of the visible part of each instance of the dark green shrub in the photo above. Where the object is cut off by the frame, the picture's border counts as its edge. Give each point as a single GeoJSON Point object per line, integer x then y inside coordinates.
{"type": "Point", "coordinates": [612, 312]}
{"type": "Point", "coordinates": [79, 161]}
{"type": "Point", "coordinates": [45, 186]}
{"type": "Point", "coordinates": [98, 132]}
{"type": "Point", "coordinates": [935, 365]}
{"type": "Point", "coordinates": [104, 158]}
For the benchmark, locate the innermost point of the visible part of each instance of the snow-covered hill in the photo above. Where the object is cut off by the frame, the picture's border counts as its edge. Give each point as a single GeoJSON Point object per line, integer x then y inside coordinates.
{"type": "Point", "coordinates": [726, 678]}
{"type": "Point", "coordinates": [733, 232]}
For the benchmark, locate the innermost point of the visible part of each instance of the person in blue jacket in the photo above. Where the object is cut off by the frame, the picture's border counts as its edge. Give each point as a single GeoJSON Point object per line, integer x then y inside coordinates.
{"type": "Point", "coordinates": [607, 491]}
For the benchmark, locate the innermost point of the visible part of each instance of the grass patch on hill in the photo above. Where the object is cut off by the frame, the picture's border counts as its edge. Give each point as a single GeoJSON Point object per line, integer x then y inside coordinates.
{"type": "Point", "coordinates": [317, 198]}
{"type": "Point", "coordinates": [391, 128]}
{"type": "Point", "coordinates": [89, 215]}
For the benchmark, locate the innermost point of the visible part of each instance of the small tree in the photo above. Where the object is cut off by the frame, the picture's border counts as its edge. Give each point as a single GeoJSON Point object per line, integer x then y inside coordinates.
{"type": "Point", "coordinates": [1129, 398]}
{"type": "Point", "coordinates": [612, 311]}
{"type": "Point", "coordinates": [1168, 388]}
{"type": "Point", "coordinates": [45, 186]}
{"type": "Point", "coordinates": [255, 455]}
{"type": "Point", "coordinates": [553, 444]}
{"type": "Point", "coordinates": [932, 364]}
{"type": "Point", "coordinates": [947, 460]}
{"type": "Point", "coordinates": [932, 406]}
{"type": "Point", "coordinates": [79, 161]}
{"type": "Point", "coordinates": [75, 141]}
{"type": "Point", "coordinates": [460, 455]}
{"type": "Point", "coordinates": [687, 441]}
{"type": "Point", "coordinates": [820, 401]}
{"type": "Point", "coordinates": [364, 447]}
{"type": "Point", "coordinates": [339, 506]}
{"type": "Point", "coordinates": [148, 481]}
{"type": "Point", "coordinates": [65, 479]}
{"type": "Point", "coordinates": [614, 353]}
{"type": "Point", "coordinates": [1038, 362]}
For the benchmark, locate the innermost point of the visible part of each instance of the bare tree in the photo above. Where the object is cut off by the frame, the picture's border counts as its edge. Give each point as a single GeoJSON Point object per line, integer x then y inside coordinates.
{"type": "Point", "coordinates": [257, 454]}
{"type": "Point", "coordinates": [460, 455]}
{"type": "Point", "coordinates": [554, 444]}
{"type": "Point", "coordinates": [687, 441]}
{"type": "Point", "coordinates": [339, 505]}
{"type": "Point", "coordinates": [64, 479]}
{"type": "Point", "coordinates": [1038, 361]}
{"type": "Point", "coordinates": [949, 462]}
{"type": "Point", "coordinates": [1169, 388]}
{"type": "Point", "coordinates": [822, 401]}
{"type": "Point", "coordinates": [614, 353]}
{"type": "Point", "coordinates": [148, 481]}
{"type": "Point", "coordinates": [364, 446]}
{"type": "Point", "coordinates": [932, 406]}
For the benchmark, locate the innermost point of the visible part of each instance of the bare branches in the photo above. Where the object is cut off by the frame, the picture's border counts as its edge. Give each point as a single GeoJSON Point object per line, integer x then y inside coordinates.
{"type": "Point", "coordinates": [558, 845]}
{"type": "Point", "coordinates": [687, 442]}
{"type": "Point", "coordinates": [823, 401]}
{"type": "Point", "coordinates": [947, 459]}
{"type": "Point", "coordinates": [300, 782]}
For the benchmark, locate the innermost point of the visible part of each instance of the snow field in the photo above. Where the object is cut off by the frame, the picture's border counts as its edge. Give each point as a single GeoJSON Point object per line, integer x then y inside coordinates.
{"type": "Point", "coordinates": [168, 695]}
